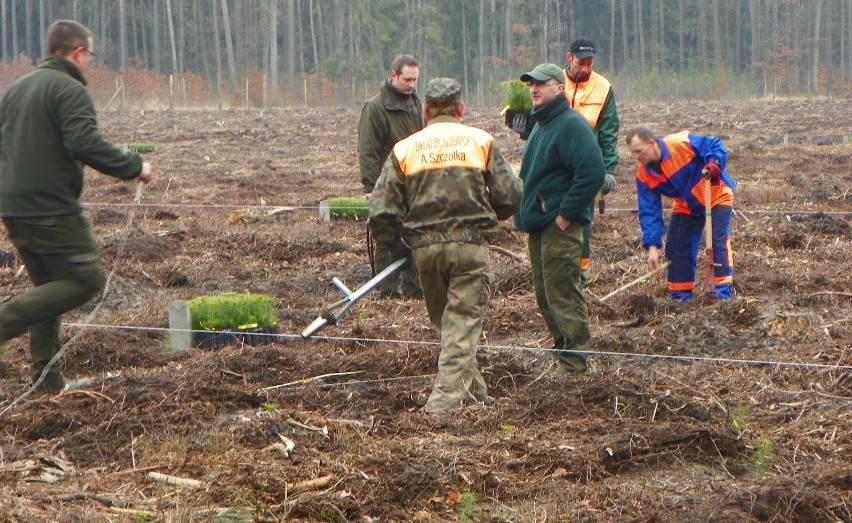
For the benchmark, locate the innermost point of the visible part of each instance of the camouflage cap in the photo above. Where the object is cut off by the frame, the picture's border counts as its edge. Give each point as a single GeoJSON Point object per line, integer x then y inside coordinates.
{"type": "Point", "coordinates": [442, 91]}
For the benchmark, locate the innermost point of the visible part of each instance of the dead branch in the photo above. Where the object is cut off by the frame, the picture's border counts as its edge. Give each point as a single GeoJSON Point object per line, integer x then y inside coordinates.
{"type": "Point", "coordinates": [323, 430]}
{"type": "Point", "coordinates": [308, 380]}
{"type": "Point", "coordinates": [311, 484]}
{"type": "Point", "coordinates": [103, 500]}
{"type": "Point", "coordinates": [508, 253]}
{"type": "Point", "coordinates": [174, 480]}
{"type": "Point", "coordinates": [638, 280]}
{"type": "Point", "coordinates": [90, 393]}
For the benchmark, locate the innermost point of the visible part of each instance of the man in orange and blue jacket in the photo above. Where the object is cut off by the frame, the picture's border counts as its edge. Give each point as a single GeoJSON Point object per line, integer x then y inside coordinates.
{"type": "Point", "coordinates": [673, 166]}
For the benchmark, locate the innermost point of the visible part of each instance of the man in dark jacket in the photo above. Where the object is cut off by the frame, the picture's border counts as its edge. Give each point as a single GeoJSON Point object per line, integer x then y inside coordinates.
{"type": "Point", "coordinates": [443, 190]}
{"type": "Point", "coordinates": [562, 169]}
{"type": "Point", "coordinates": [48, 131]}
{"type": "Point", "coordinates": [388, 117]}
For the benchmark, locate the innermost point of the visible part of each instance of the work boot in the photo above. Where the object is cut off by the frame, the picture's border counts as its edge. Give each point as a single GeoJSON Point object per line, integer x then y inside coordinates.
{"type": "Point", "coordinates": [53, 384]}
{"type": "Point", "coordinates": [570, 362]}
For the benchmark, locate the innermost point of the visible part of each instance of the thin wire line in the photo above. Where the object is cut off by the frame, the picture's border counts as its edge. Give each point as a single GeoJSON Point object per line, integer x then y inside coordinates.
{"type": "Point", "coordinates": [269, 207]}
{"type": "Point", "coordinates": [366, 341]}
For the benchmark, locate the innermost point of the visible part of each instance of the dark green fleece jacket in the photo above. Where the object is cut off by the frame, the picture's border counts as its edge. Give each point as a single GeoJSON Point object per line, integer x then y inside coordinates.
{"type": "Point", "coordinates": [386, 119]}
{"type": "Point", "coordinates": [562, 168]}
{"type": "Point", "coordinates": [48, 131]}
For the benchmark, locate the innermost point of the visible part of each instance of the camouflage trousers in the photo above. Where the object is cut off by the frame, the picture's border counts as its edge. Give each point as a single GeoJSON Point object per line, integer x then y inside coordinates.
{"type": "Point", "coordinates": [63, 261]}
{"type": "Point", "coordinates": [555, 257]}
{"type": "Point", "coordinates": [456, 279]}
{"type": "Point", "coordinates": [406, 277]}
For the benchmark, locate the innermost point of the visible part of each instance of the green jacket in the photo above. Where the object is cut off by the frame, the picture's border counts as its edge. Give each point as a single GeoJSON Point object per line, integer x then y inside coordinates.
{"type": "Point", "coordinates": [607, 133]}
{"type": "Point", "coordinates": [594, 99]}
{"type": "Point", "coordinates": [386, 118]}
{"type": "Point", "coordinates": [562, 168]}
{"type": "Point", "coordinates": [446, 183]}
{"type": "Point", "coordinates": [48, 131]}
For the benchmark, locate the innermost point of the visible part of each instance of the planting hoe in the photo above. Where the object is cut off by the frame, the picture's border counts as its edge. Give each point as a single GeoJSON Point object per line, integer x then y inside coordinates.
{"type": "Point", "coordinates": [329, 316]}
{"type": "Point", "coordinates": [709, 279]}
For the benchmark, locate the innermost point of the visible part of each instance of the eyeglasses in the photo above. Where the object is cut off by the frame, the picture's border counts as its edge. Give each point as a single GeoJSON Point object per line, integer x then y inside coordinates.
{"type": "Point", "coordinates": [546, 84]}
{"type": "Point", "coordinates": [91, 53]}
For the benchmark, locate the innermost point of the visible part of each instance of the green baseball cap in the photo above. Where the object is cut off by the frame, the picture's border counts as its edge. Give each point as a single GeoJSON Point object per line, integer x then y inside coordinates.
{"type": "Point", "coordinates": [543, 73]}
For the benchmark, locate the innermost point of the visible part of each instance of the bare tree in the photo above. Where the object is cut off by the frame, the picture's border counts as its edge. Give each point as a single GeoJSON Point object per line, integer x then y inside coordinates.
{"type": "Point", "coordinates": [273, 48]}
{"type": "Point", "coordinates": [508, 37]}
{"type": "Point", "coordinates": [217, 47]}
{"type": "Point", "coordinates": [624, 45]}
{"type": "Point", "coordinates": [157, 39]}
{"type": "Point", "coordinates": [229, 44]}
{"type": "Point", "coordinates": [479, 93]}
{"type": "Point", "coordinates": [15, 29]}
{"type": "Point", "coordinates": [42, 21]}
{"type": "Point", "coordinates": [4, 20]}
{"type": "Point", "coordinates": [717, 37]}
{"type": "Point", "coordinates": [817, 9]}
{"type": "Point", "coordinates": [28, 33]}
{"type": "Point", "coordinates": [122, 33]}
{"type": "Point", "coordinates": [291, 44]}
{"type": "Point", "coordinates": [612, 35]}
{"type": "Point", "coordinates": [316, 52]}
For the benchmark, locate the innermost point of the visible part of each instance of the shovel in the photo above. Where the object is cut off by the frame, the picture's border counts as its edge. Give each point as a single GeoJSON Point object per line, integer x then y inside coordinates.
{"type": "Point", "coordinates": [335, 311]}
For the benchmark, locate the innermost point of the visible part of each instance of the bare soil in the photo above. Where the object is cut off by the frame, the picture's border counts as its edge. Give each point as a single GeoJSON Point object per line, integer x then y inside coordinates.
{"type": "Point", "coordinates": [703, 411]}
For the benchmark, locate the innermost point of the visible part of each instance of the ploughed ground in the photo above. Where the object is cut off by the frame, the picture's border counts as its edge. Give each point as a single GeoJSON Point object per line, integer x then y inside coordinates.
{"type": "Point", "coordinates": [700, 411]}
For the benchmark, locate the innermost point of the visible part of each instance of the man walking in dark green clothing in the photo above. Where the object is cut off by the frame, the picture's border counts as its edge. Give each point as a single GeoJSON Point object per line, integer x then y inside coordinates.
{"type": "Point", "coordinates": [48, 131]}
{"type": "Point", "coordinates": [562, 169]}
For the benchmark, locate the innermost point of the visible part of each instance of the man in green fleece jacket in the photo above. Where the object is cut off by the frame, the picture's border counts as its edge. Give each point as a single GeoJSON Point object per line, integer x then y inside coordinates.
{"type": "Point", "coordinates": [48, 131]}
{"type": "Point", "coordinates": [394, 113]}
{"type": "Point", "coordinates": [562, 169]}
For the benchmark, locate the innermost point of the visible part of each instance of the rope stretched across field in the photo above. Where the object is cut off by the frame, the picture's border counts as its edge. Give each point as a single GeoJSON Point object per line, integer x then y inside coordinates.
{"type": "Point", "coordinates": [292, 337]}
{"type": "Point", "coordinates": [269, 207]}
{"type": "Point", "coordinates": [86, 324]}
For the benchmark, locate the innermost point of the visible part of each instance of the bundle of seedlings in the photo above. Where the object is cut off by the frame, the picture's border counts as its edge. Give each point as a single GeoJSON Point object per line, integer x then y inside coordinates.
{"type": "Point", "coordinates": [518, 107]}
{"type": "Point", "coordinates": [345, 208]}
{"type": "Point", "coordinates": [232, 318]}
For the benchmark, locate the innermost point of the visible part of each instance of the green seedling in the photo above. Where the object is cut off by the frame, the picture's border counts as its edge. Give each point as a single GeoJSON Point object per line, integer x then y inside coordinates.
{"type": "Point", "coordinates": [506, 427]}
{"type": "Point", "coordinates": [761, 458]}
{"type": "Point", "coordinates": [270, 407]}
{"type": "Point", "coordinates": [468, 507]}
{"type": "Point", "coordinates": [235, 515]}
{"type": "Point", "coordinates": [349, 207]}
{"type": "Point", "coordinates": [142, 147]}
{"type": "Point", "coordinates": [232, 311]}
{"type": "Point", "coordinates": [517, 95]}
{"type": "Point", "coordinates": [738, 418]}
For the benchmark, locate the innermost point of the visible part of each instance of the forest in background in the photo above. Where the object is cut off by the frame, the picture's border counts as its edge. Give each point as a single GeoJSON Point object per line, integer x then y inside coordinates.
{"type": "Point", "coordinates": [268, 53]}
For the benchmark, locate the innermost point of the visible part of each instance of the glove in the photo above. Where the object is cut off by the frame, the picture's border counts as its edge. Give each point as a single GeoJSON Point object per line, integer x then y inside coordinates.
{"type": "Point", "coordinates": [608, 185]}
{"type": "Point", "coordinates": [713, 169]}
{"type": "Point", "coordinates": [399, 250]}
{"type": "Point", "coordinates": [519, 123]}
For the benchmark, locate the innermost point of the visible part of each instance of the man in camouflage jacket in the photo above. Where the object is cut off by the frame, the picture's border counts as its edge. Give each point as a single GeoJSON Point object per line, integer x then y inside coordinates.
{"type": "Point", "coordinates": [441, 193]}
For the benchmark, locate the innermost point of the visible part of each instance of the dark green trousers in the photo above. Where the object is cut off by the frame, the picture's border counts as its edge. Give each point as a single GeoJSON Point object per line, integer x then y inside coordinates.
{"type": "Point", "coordinates": [555, 257]}
{"type": "Point", "coordinates": [456, 279]}
{"type": "Point", "coordinates": [63, 260]}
